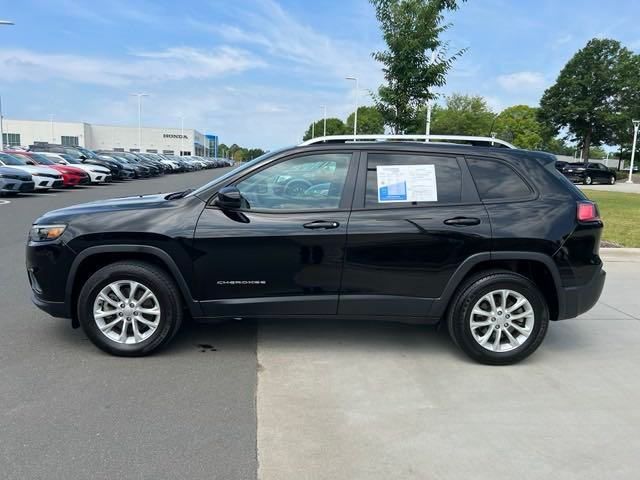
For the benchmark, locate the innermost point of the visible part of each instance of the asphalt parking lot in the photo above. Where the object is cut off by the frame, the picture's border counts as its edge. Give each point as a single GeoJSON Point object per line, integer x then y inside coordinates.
{"type": "Point", "coordinates": [310, 400]}
{"type": "Point", "coordinates": [71, 412]}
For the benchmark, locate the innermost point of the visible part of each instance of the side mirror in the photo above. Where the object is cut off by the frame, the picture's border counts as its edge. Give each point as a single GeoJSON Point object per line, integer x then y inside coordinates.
{"type": "Point", "coordinates": [230, 198]}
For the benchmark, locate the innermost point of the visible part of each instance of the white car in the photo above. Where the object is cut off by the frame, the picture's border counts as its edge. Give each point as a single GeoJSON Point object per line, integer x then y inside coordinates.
{"type": "Point", "coordinates": [173, 165]}
{"type": "Point", "coordinates": [97, 174]}
{"type": "Point", "coordinates": [43, 177]}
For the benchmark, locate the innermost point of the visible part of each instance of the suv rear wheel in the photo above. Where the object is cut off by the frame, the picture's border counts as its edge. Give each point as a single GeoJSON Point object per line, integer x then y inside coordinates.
{"type": "Point", "coordinates": [130, 309]}
{"type": "Point", "coordinates": [498, 318]}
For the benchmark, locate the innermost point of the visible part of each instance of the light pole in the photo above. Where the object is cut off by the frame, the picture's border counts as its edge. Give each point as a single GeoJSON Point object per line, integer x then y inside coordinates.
{"type": "Point", "coordinates": [636, 123]}
{"type": "Point", "coordinates": [355, 114]}
{"type": "Point", "coordinates": [1, 127]}
{"type": "Point", "coordinates": [53, 137]}
{"type": "Point", "coordinates": [139, 95]}
{"type": "Point", "coordinates": [324, 120]}
{"type": "Point", "coordinates": [2, 22]}
{"type": "Point", "coordinates": [313, 129]}
{"type": "Point", "coordinates": [427, 130]}
{"type": "Point", "coordinates": [181, 134]}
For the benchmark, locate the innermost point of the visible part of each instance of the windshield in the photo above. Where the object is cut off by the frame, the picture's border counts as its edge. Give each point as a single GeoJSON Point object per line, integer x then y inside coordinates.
{"type": "Point", "coordinates": [10, 160]}
{"type": "Point", "coordinates": [73, 152]}
{"type": "Point", "coordinates": [24, 158]}
{"type": "Point", "coordinates": [238, 169]}
{"type": "Point", "coordinates": [87, 153]}
{"type": "Point", "coordinates": [41, 159]}
{"type": "Point", "coordinates": [70, 159]}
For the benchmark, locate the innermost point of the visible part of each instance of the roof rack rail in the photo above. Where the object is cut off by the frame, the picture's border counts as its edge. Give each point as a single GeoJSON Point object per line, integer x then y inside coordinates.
{"type": "Point", "coordinates": [391, 138]}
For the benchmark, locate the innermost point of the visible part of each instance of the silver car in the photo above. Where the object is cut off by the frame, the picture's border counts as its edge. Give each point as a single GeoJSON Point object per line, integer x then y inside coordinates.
{"type": "Point", "coordinates": [13, 180]}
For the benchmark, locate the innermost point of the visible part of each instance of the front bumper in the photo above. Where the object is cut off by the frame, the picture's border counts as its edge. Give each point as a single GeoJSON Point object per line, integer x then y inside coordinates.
{"type": "Point", "coordinates": [55, 309]}
{"type": "Point", "coordinates": [8, 185]}
{"type": "Point", "coordinates": [574, 301]}
{"type": "Point", "coordinates": [48, 266]}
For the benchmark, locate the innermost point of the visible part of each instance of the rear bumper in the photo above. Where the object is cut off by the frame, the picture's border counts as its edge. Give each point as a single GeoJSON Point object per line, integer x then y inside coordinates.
{"type": "Point", "coordinates": [577, 300]}
{"type": "Point", "coordinates": [575, 177]}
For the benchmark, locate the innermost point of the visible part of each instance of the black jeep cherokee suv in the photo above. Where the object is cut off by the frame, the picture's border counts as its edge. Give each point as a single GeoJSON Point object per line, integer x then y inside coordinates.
{"type": "Point", "coordinates": [492, 242]}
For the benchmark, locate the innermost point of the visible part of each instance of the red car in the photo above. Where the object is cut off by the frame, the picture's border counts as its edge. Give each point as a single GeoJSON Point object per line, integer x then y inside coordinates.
{"type": "Point", "coordinates": [71, 176]}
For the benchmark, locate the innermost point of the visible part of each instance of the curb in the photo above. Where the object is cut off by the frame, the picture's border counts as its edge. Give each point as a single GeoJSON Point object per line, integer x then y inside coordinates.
{"type": "Point", "coordinates": [620, 254]}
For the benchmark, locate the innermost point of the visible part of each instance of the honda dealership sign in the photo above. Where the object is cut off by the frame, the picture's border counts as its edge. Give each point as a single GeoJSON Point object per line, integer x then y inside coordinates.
{"type": "Point", "coordinates": [174, 135]}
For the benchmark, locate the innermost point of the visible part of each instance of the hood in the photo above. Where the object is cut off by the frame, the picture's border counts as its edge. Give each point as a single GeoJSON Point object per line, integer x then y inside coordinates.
{"type": "Point", "coordinates": [89, 167]}
{"type": "Point", "coordinates": [35, 170]}
{"type": "Point", "coordinates": [137, 203]}
{"type": "Point", "coordinates": [15, 171]}
{"type": "Point", "coordinates": [69, 169]}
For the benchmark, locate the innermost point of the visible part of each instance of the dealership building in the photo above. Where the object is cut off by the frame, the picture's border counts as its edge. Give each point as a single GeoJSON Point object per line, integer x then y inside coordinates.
{"type": "Point", "coordinates": [171, 141]}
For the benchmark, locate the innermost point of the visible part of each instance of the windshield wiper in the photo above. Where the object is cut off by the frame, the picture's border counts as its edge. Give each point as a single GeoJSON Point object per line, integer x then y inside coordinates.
{"type": "Point", "coordinates": [176, 195]}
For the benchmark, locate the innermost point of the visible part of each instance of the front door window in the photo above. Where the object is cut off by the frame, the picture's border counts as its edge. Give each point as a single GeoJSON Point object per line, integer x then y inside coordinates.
{"type": "Point", "coordinates": [310, 182]}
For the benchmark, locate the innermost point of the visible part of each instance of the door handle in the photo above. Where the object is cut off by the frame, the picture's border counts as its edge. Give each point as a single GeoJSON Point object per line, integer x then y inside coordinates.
{"type": "Point", "coordinates": [462, 221]}
{"type": "Point", "coordinates": [318, 224]}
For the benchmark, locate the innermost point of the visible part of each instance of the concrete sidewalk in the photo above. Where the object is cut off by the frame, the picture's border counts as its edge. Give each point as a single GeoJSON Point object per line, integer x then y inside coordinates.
{"type": "Point", "coordinates": [370, 400]}
{"type": "Point", "coordinates": [620, 186]}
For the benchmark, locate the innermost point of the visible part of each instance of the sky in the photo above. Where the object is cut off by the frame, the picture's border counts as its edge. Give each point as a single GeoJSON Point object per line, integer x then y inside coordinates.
{"type": "Point", "coordinates": [257, 72]}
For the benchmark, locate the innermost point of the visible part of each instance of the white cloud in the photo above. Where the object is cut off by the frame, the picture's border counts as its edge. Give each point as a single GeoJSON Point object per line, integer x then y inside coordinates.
{"type": "Point", "coordinates": [271, 29]}
{"type": "Point", "coordinates": [562, 40]}
{"type": "Point", "coordinates": [522, 81]}
{"type": "Point", "coordinates": [114, 11]}
{"type": "Point", "coordinates": [176, 63]}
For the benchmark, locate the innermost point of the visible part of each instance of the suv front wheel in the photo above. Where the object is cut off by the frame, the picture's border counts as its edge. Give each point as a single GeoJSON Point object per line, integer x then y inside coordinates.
{"type": "Point", "coordinates": [498, 318]}
{"type": "Point", "coordinates": [130, 309]}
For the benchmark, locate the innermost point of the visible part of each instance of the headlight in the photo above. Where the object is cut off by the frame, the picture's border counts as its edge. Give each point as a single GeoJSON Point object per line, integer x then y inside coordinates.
{"type": "Point", "coordinates": [44, 233]}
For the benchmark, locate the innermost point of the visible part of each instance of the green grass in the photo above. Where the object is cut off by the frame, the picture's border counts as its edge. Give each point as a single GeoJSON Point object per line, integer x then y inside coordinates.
{"type": "Point", "coordinates": [621, 215]}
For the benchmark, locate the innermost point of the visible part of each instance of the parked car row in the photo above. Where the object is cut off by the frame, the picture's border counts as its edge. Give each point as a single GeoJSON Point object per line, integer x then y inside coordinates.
{"type": "Point", "coordinates": [586, 173]}
{"type": "Point", "coordinates": [45, 166]}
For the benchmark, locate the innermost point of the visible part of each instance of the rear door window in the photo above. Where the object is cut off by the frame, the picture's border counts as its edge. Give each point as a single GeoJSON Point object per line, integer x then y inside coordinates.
{"type": "Point", "coordinates": [431, 179]}
{"type": "Point", "coordinates": [495, 180]}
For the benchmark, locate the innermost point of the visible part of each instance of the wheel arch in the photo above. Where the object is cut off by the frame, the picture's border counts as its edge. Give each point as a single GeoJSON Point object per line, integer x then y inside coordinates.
{"type": "Point", "coordinates": [93, 258]}
{"type": "Point", "coordinates": [537, 267]}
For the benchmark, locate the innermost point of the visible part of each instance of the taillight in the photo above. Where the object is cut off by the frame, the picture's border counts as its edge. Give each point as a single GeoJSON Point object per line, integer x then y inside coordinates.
{"type": "Point", "coordinates": [587, 212]}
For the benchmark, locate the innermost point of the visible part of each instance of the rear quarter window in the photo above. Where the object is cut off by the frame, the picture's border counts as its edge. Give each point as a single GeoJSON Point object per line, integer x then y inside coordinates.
{"type": "Point", "coordinates": [495, 180]}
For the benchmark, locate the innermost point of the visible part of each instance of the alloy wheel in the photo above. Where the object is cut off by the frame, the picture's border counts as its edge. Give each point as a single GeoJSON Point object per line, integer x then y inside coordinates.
{"type": "Point", "coordinates": [127, 312]}
{"type": "Point", "coordinates": [502, 320]}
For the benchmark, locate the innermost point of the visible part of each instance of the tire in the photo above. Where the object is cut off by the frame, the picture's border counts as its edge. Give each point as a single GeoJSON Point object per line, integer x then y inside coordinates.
{"type": "Point", "coordinates": [473, 291]}
{"type": "Point", "coordinates": [165, 295]}
{"type": "Point", "coordinates": [588, 180]}
{"type": "Point", "coordinates": [612, 180]}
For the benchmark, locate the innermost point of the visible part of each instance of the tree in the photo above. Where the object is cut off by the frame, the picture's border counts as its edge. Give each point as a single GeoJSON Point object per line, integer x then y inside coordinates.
{"type": "Point", "coordinates": [461, 115]}
{"type": "Point", "coordinates": [557, 146]}
{"type": "Point", "coordinates": [587, 94]}
{"type": "Point", "coordinates": [628, 109]}
{"type": "Point", "coordinates": [254, 153]}
{"type": "Point", "coordinates": [597, 152]}
{"type": "Point", "coordinates": [370, 121]}
{"type": "Point", "coordinates": [335, 126]}
{"type": "Point", "coordinates": [519, 125]}
{"type": "Point", "coordinates": [222, 150]}
{"type": "Point", "coordinates": [411, 30]}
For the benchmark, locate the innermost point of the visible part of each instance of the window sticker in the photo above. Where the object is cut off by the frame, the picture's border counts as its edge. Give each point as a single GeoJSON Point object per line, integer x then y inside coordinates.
{"type": "Point", "coordinates": [407, 183]}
